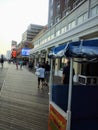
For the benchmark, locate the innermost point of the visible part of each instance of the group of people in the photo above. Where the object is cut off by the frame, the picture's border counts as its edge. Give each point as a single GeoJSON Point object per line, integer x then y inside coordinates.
{"type": "Point", "coordinates": [19, 63]}
{"type": "Point", "coordinates": [43, 73]}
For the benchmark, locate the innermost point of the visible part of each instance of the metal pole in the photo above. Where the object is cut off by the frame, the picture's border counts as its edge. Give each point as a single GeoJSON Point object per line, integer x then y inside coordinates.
{"type": "Point", "coordinates": [69, 96]}
{"type": "Point", "coordinates": [51, 80]}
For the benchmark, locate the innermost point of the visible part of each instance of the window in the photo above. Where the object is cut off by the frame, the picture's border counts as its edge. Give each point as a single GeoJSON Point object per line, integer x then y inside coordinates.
{"type": "Point", "coordinates": [51, 1]}
{"type": "Point", "coordinates": [94, 11]}
{"type": "Point", "coordinates": [89, 69]}
{"type": "Point", "coordinates": [51, 12]}
{"type": "Point", "coordinates": [57, 19]}
{"type": "Point", "coordinates": [51, 24]}
{"type": "Point", "coordinates": [85, 17]}
{"type": "Point", "coordinates": [72, 25]}
{"type": "Point", "coordinates": [58, 7]}
{"type": "Point", "coordinates": [82, 18]}
{"type": "Point", "coordinates": [66, 12]}
{"type": "Point", "coordinates": [48, 38]}
{"type": "Point", "coordinates": [52, 36]}
{"type": "Point", "coordinates": [58, 33]}
{"type": "Point", "coordinates": [97, 9]}
{"type": "Point", "coordinates": [76, 3]}
{"type": "Point", "coordinates": [63, 30]}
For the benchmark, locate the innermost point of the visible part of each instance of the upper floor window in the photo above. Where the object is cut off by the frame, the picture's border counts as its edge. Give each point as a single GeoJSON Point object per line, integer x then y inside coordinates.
{"type": "Point", "coordinates": [66, 12]}
{"type": "Point", "coordinates": [58, 33]}
{"type": "Point", "coordinates": [94, 11]}
{"type": "Point", "coordinates": [48, 38]}
{"type": "Point", "coordinates": [66, 1]}
{"type": "Point", "coordinates": [57, 19]}
{"type": "Point", "coordinates": [71, 25]}
{"type": "Point", "coordinates": [76, 3]}
{"type": "Point", "coordinates": [82, 18]}
{"type": "Point", "coordinates": [58, 7]}
{"type": "Point", "coordinates": [51, 1]}
{"type": "Point", "coordinates": [62, 30]}
{"type": "Point", "coordinates": [51, 12]}
{"type": "Point", "coordinates": [52, 36]}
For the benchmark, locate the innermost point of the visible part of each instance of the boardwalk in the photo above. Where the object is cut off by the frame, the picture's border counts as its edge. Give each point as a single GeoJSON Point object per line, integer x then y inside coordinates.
{"type": "Point", "coordinates": [22, 105]}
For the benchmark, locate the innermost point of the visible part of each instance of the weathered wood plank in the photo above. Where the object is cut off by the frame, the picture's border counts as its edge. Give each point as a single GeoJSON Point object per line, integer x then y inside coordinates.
{"type": "Point", "coordinates": [22, 105]}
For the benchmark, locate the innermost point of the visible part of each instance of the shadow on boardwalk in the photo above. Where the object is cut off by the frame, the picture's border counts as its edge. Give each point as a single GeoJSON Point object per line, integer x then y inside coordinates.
{"type": "Point", "coordinates": [22, 105]}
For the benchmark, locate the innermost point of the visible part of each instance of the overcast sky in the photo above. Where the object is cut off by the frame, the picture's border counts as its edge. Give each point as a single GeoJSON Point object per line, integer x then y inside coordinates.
{"type": "Point", "coordinates": [16, 16]}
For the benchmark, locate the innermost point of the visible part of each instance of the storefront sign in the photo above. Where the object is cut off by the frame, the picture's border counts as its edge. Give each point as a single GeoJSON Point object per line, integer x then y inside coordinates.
{"type": "Point", "coordinates": [56, 120]}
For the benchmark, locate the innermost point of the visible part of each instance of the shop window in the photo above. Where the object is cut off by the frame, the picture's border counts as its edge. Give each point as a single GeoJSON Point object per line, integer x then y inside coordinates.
{"type": "Point", "coordinates": [89, 69]}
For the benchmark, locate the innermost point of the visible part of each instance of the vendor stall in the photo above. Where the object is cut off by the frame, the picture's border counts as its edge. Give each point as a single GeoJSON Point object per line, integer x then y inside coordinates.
{"type": "Point", "coordinates": [75, 107]}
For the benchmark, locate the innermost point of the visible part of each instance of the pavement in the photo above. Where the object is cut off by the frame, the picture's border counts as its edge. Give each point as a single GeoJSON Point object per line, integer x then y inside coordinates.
{"type": "Point", "coordinates": [22, 105]}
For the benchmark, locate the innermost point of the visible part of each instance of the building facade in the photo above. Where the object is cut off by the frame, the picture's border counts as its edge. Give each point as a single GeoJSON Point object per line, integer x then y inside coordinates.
{"type": "Point", "coordinates": [31, 32]}
{"type": "Point", "coordinates": [59, 9]}
{"type": "Point", "coordinates": [80, 23]}
{"type": "Point", "coordinates": [27, 37]}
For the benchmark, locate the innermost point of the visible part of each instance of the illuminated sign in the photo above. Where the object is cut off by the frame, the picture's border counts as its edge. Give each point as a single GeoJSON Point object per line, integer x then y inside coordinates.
{"type": "Point", "coordinates": [14, 54]}
{"type": "Point", "coordinates": [25, 52]}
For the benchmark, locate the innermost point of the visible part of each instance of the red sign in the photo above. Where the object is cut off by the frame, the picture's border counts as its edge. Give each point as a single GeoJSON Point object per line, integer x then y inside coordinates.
{"type": "Point", "coordinates": [56, 120]}
{"type": "Point", "coordinates": [14, 54]}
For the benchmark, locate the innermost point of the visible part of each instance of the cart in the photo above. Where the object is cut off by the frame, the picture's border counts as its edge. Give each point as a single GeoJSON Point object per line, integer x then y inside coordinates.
{"type": "Point", "coordinates": [74, 107]}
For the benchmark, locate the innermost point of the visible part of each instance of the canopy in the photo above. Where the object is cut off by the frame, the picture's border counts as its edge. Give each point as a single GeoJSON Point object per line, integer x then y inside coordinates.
{"type": "Point", "coordinates": [80, 49]}
{"type": "Point", "coordinates": [57, 51]}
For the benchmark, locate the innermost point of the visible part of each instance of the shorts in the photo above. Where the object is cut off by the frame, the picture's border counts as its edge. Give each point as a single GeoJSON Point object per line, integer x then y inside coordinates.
{"type": "Point", "coordinates": [40, 79]}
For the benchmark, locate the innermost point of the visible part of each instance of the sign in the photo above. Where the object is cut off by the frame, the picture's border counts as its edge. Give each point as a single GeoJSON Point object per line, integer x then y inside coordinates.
{"type": "Point", "coordinates": [14, 54]}
{"type": "Point", "coordinates": [56, 120]}
{"type": "Point", "coordinates": [25, 52]}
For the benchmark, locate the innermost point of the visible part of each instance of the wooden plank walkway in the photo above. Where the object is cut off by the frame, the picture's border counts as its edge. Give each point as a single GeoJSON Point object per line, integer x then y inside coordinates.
{"type": "Point", "coordinates": [22, 105]}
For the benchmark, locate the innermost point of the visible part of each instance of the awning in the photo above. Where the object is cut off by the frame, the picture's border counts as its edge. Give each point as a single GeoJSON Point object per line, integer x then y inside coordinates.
{"type": "Point", "coordinates": [57, 51]}
{"type": "Point", "coordinates": [80, 49]}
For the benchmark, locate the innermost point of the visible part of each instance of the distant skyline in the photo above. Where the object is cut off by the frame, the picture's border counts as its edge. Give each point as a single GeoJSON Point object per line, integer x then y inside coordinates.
{"type": "Point", "coordinates": [16, 16]}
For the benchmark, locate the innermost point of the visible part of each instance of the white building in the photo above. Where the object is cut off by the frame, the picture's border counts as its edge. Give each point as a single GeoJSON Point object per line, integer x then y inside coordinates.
{"type": "Point", "coordinates": [81, 23]}
{"type": "Point", "coordinates": [8, 54]}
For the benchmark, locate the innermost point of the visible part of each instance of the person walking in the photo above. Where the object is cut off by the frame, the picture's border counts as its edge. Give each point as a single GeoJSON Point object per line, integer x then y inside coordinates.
{"type": "Point", "coordinates": [47, 73]}
{"type": "Point", "coordinates": [2, 61]}
{"type": "Point", "coordinates": [40, 72]}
